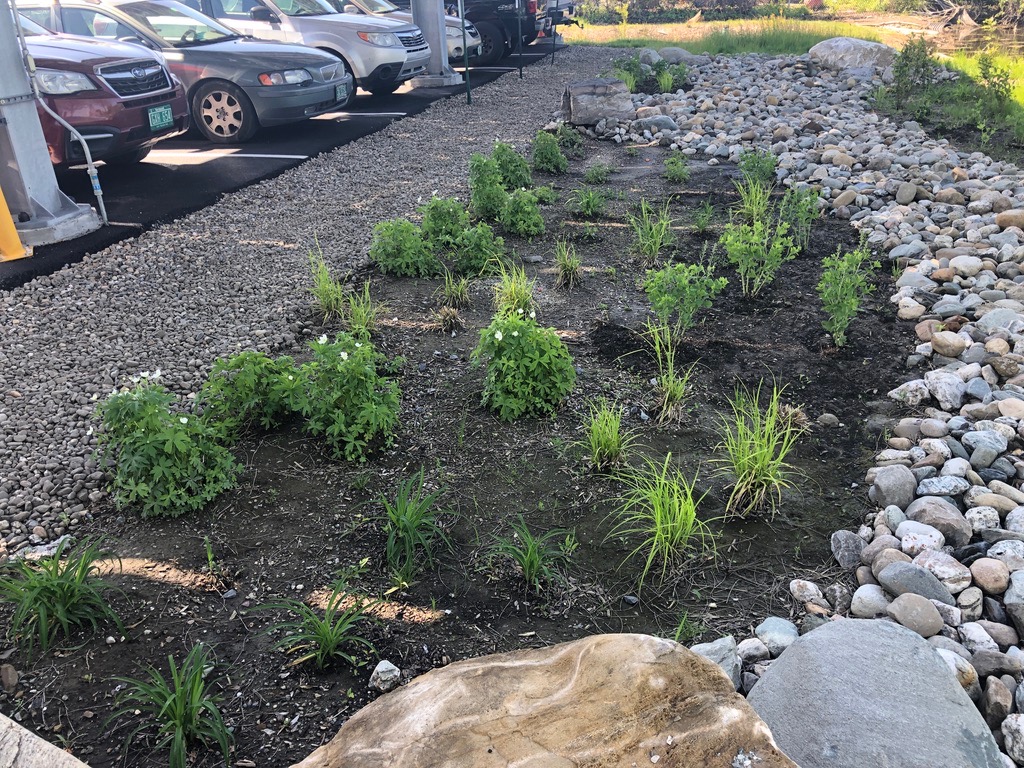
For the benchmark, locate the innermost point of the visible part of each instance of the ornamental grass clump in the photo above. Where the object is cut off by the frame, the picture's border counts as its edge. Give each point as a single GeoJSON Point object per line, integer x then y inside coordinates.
{"type": "Point", "coordinates": [538, 557]}
{"type": "Point", "coordinates": [588, 203]}
{"type": "Point", "coordinates": [547, 154]}
{"type": "Point", "coordinates": [513, 293]}
{"type": "Point", "coordinates": [755, 200]}
{"type": "Point", "coordinates": [568, 266]}
{"type": "Point", "coordinates": [757, 251]}
{"type": "Point", "coordinates": [607, 442]}
{"type": "Point", "coordinates": [682, 290]}
{"type": "Point", "coordinates": [652, 231]}
{"type": "Point", "coordinates": [486, 191]}
{"type": "Point", "coordinates": [659, 506]}
{"type": "Point", "coordinates": [799, 209]}
{"type": "Point", "coordinates": [515, 171]}
{"type": "Point", "coordinates": [672, 382]}
{"type": "Point", "coordinates": [756, 440]}
{"type": "Point", "coordinates": [677, 169]}
{"type": "Point", "coordinates": [328, 292]}
{"type": "Point", "coordinates": [529, 369]}
{"type": "Point", "coordinates": [361, 312]}
{"type": "Point", "coordinates": [399, 248]}
{"type": "Point", "coordinates": [845, 283]}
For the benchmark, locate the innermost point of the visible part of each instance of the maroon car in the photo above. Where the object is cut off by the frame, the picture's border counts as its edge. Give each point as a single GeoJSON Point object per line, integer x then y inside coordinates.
{"type": "Point", "coordinates": [119, 96]}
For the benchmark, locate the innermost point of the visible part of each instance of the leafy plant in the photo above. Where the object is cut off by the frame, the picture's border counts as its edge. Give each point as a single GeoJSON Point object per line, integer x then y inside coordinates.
{"type": "Point", "coordinates": [529, 370]}
{"type": "Point", "coordinates": [683, 290]}
{"type": "Point", "coordinates": [758, 167]}
{"type": "Point", "coordinates": [323, 639]}
{"type": "Point", "coordinates": [652, 231]}
{"type": "Point", "coordinates": [537, 556]}
{"type": "Point", "coordinates": [411, 525]}
{"type": "Point", "coordinates": [994, 79]}
{"type": "Point", "coordinates": [627, 77]}
{"type": "Point", "coordinates": [757, 251]}
{"type": "Point", "coordinates": [328, 292]}
{"type": "Point", "coordinates": [513, 293]}
{"type": "Point", "coordinates": [598, 173]}
{"type": "Point", "coordinates": [799, 209]}
{"type": "Point", "coordinates": [477, 250]}
{"type": "Point", "coordinates": [547, 154]}
{"type": "Point", "coordinates": [515, 171]}
{"type": "Point", "coordinates": [568, 266]}
{"type": "Point", "coordinates": [569, 140]}
{"type": "Point", "coordinates": [53, 595]}
{"type": "Point", "coordinates": [660, 77]}
{"type": "Point", "coordinates": [521, 214]}
{"type": "Point", "coordinates": [673, 384]}
{"type": "Point", "coordinates": [659, 505]}
{"type": "Point", "coordinates": [444, 221]}
{"type": "Point", "coordinates": [756, 441]}
{"type": "Point", "coordinates": [914, 69]}
{"type": "Point", "coordinates": [665, 80]}
{"type": "Point", "coordinates": [398, 248]}
{"type": "Point", "coordinates": [166, 463]}
{"type": "Point", "coordinates": [454, 292]}
{"type": "Point", "coordinates": [249, 388]}
{"type": "Point", "coordinates": [755, 200]}
{"type": "Point", "coordinates": [607, 443]}
{"type": "Point", "coordinates": [545, 194]}
{"type": "Point", "coordinates": [844, 284]}
{"type": "Point", "coordinates": [686, 629]}
{"type": "Point", "coordinates": [677, 170]}
{"type": "Point", "coordinates": [588, 203]}
{"type": "Point", "coordinates": [702, 217]}
{"type": "Point", "coordinates": [487, 193]}
{"type": "Point", "coordinates": [184, 708]}
{"type": "Point", "coordinates": [361, 312]}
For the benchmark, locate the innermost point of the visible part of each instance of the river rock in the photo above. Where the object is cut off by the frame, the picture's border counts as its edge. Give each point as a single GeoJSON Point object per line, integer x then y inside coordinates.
{"type": "Point", "coordinates": [964, 672]}
{"type": "Point", "coordinates": [846, 548]}
{"type": "Point", "coordinates": [939, 513]}
{"type": "Point", "coordinates": [723, 653]}
{"type": "Point", "coordinates": [551, 707]}
{"type": "Point", "coordinates": [900, 578]}
{"type": "Point", "coordinates": [587, 102]}
{"type": "Point", "coordinates": [777, 634]}
{"type": "Point", "coordinates": [916, 537]}
{"type": "Point", "coordinates": [992, 576]}
{"type": "Point", "coordinates": [1014, 217]}
{"type": "Point", "coordinates": [947, 388]}
{"type": "Point", "coordinates": [870, 693]}
{"type": "Point", "coordinates": [954, 575]}
{"type": "Point", "coordinates": [1013, 600]}
{"type": "Point", "coordinates": [916, 614]}
{"type": "Point", "coordinates": [869, 601]}
{"type": "Point", "coordinates": [893, 485]}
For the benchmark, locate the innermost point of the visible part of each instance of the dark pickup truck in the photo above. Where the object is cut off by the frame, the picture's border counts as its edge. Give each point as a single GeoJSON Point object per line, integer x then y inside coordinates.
{"type": "Point", "coordinates": [500, 23]}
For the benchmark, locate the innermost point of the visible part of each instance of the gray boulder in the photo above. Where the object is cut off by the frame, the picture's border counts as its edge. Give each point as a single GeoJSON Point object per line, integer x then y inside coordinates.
{"type": "Point", "coordinates": [675, 55]}
{"type": "Point", "coordinates": [723, 652]}
{"type": "Point", "coordinates": [900, 578]}
{"type": "Point", "coordinates": [589, 101]}
{"type": "Point", "coordinates": [841, 53]}
{"type": "Point", "coordinates": [893, 485]}
{"type": "Point", "coordinates": [859, 693]}
{"type": "Point", "coordinates": [655, 123]}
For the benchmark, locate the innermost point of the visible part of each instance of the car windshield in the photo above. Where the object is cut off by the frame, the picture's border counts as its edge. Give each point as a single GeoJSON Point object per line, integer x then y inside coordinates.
{"type": "Point", "coordinates": [30, 29]}
{"type": "Point", "coordinates": [375, 6]}
{"type": "Point", "coordinates": [177, 25]}
{"type": "Point", "coordinates": [304, 7]}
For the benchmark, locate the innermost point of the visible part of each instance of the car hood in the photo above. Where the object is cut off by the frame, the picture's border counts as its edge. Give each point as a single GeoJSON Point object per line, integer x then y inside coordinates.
{"type": "Point", "coordinates": [361, 22]}
{"type": "Point", "coordinates": [246, 52]}
{"type": "Point", "coordinates": [56, 50]}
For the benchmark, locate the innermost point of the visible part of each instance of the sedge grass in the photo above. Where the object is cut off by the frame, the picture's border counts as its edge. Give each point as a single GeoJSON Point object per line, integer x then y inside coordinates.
{"type": "Point", "coordinates": [652, 231]}
{"type": "Point", "coordinates": [537, 556]}
{"type": "Point", "coordinates": [672, 383]}
{"type": "Point", "coordinates": [514, 291]}
{"type": "Point", "coordinates": [607, 443]}
{"type": "Point", "coordinates": [410, 523]}
{"type": "Point", "coordinates": [568, 266]}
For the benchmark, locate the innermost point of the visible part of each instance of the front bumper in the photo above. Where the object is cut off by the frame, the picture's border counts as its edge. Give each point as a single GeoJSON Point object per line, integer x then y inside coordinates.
{"type": "Point", "coordinates": [415, 64]}
{"type": "Point", "coordinates": [455, 52]}
{"type": "Point", "coordinates": [280, 104]}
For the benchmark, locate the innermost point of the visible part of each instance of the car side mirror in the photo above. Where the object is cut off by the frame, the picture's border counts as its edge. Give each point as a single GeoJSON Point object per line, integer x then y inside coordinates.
{"type": "Point", "coordinates": [136, 40]}
{"type": "Point", "coordinates": [262, 13]}
{"type": "Point", "coordinates": [352, 9]}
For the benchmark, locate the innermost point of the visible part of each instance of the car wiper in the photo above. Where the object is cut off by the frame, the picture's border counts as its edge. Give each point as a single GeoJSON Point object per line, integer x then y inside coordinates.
{"type": "Point", "coordinates": [194, 43]}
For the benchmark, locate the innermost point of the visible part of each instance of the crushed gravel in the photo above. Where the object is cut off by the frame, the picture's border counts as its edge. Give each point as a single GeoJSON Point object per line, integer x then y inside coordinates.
{"type": "Point", "coordinates": [230, 277]}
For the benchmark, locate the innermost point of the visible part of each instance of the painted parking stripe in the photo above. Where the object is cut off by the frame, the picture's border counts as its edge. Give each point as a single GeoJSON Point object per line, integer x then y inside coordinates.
{"type": "Point", "coordinates": [333, 115]}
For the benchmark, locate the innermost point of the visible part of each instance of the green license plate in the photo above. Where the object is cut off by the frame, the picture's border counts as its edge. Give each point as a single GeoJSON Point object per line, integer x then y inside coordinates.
{"type": "Point", "coordinates": [160, 117]}
{"type": "Point", "coordinates": [340, 92]}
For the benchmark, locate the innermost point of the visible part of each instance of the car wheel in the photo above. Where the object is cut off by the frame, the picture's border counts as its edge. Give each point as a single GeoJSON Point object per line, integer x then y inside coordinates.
{"type": "Point", "coordinates": [132, 158]}
{"type": "Point", "coordinates": [384, 90]}
{"type": "Point", "coordinates": [529, 37]}
{"type": "Point", "coordinates": [492, 43]}
{"type": "Point", "coordinates": [223, 113]}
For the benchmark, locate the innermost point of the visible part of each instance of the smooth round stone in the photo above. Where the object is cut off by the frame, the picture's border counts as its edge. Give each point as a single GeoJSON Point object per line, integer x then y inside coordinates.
{"type": "Point", "coordinates": [947, 485]}
{"type": "Point", "coordinates": [956, 467]}
{"type": "Point", "coordinates": [982, 518]}
{"type": "Point", "coordinates": [934, 428]}
{"type": "Point", "coordinates": [965, 674]}
{"type": "Point", "coordinates": [976, 639]}
{"type": "Point", "coordinates": [872, 550]}
{"type": "Point", "coordinates": [948, 344]}
{"type": "Point", "coordinates": [916, 613]}
{"type": "Point", "coordinates": [1011, 407]}
{"type": "Point", "coordinates": [990, 575]}
{"type": "Point", "coordinates": [1010, 552]}
{"type": "Point", "coordinates": [951, 572]}
{"type": "Point", "coordinates": [917, 537]}
{"type": "Point", "coordinates": [997, 346]}
{"type": "Point", "coordinates": [777, 634]}
{"type": "Point", "coordinates": [869, 601]}
{"type": "Point", "coordinates": [804, 591]}
{"type": "Point", "coordinates": [888, 557]}
{"type": "Point", "coordinates": [1015, 520]}
{"type": "Point", "coordinates": [966, 266]}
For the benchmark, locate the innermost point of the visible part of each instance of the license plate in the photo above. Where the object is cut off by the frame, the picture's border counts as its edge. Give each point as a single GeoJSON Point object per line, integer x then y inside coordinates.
{"type": "Point", "coordinates": [340, 92]}
{"type": "Point", "coordinates": [160, 117]}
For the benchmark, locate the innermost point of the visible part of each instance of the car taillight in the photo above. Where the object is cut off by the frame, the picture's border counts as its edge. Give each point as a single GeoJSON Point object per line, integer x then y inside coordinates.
{"type": "Point", "coordinates": [531, 6]}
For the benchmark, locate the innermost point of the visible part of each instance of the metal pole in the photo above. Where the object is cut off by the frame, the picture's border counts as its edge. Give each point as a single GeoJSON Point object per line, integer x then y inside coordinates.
{"type": "Point", "coordinates": [465, 52]}
{"type": "Point", "coordinates": [519, 38]}
{"type": "Point", "coordinates": [554, 36]}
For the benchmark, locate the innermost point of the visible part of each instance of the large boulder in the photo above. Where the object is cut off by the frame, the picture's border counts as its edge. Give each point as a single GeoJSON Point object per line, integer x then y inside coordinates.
{"type": "Point", "coordinates": [20, 748]}
{"type": "Point", "coordinates": [587, 102]}
{"type": "Point", "coordinates": [857, 693]}
{"type": "Point", "coordinates": [841, 53]}
{"type": "Point", "coordinates": [603, 701]}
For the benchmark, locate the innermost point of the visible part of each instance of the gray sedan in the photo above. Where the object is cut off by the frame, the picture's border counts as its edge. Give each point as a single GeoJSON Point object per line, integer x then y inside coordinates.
{"type": "Point", "coordinates": [235, 84]}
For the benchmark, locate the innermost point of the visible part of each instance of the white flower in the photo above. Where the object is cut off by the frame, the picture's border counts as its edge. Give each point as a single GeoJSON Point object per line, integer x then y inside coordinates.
{"type": "Point", "coordinates": [323, 339]}
{"type": "Point", "coordinates": [156, 374]}
{"type": "Point", "coordinates": [515, 333]}
{"type": "Point", "coordinates": [520, 310]}
{"type": "Point", "coordinates": [358, 344]}
{"type": "Point", "coordinates": [290, 377]}
{"type": "Point", "coordinates": [88, 431]}
{"type": "Point", "coordinates": [344, 355]}
{"type": "Point", "coordinates": [183, 419]}
{"type": "Point", "coordinates": [497, 336]}
{"type": "Point", "coordinates": [533, 315]}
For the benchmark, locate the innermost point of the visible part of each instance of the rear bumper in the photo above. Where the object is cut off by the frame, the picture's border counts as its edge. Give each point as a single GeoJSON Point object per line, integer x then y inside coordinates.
{"type": "Point", "coordinates": [280, 104]}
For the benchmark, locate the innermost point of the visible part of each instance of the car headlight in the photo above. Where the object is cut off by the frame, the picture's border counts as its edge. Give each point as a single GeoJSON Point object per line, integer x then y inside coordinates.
{"type": "Point", "coordinates": [56, 82]}
{"type": "Point", "coordinates": [288, 77]}
{"type": "Point", "coordinates": [385, 39]}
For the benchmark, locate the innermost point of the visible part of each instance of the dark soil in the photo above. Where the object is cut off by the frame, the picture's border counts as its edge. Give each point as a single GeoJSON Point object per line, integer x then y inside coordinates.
{"type": "Point", "coordinates": [296, 518]}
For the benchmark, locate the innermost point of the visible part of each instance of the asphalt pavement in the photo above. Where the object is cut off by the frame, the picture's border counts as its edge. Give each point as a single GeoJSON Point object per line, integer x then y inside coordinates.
{"type": "Point", "coordinates": [186, 174]}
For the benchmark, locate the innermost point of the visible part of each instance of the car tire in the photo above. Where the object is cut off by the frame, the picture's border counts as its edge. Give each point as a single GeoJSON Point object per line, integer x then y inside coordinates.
{"type": "Point", "coordinates": [530, 37]}
{"type": "Point", "coordinates": [492, 43]}
{"type": "Point", "coordinates": [222, 113]}
{"type": "Point", "coordinates": [131, 158]}
{"type": "Point", "coordinates": [384, 90]}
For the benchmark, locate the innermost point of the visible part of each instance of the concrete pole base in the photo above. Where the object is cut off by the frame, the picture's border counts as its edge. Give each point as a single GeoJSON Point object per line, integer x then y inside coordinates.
{"type": "Point", "coordinates": [70, 222]}
{"type": "Point", "coordinates": [437, 81]}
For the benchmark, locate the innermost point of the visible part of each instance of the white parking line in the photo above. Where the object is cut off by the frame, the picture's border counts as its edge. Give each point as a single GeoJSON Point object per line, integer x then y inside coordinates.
{"type": "Point", "coordinates": [200, 156]}
{"type": "Point", "coordinates": [335, 115]}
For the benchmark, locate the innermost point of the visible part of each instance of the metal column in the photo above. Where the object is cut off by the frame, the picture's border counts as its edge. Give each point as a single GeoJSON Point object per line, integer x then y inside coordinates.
{"type": "Point", "coordinates": [428, 15]}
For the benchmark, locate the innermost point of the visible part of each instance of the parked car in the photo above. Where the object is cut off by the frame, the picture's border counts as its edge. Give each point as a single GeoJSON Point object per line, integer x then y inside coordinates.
{"type": "Point", "coordinates": [235, 85]}
{"type": "Point", "coordinates": [504, 25]}
{"type": "Point", "coordinates": [380, 53]}
{"type": "Point", "coordinates": [121, 98]}
{"type": "Point", "coordinates": [452, 29]}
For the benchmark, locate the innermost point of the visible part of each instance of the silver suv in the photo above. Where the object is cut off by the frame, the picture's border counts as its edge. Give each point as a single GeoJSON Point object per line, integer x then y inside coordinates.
{"type": "Point", "coordinates": [380, 53]}
{"type": "Point", "coordinates": [452, 28]}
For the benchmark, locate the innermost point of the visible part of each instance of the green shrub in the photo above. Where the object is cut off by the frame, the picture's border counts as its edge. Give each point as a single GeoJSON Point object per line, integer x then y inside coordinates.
{"type": "Point", "coordinates": [478, 250]}
{"type": "Point", "coordinates": [167, 463]}
{"type": "Point", "coordinates": [914, 69]}
{"type": "Point", "coordinates": [568, 266]}
{"type": "Point", "coordinates": [513, 293]}
{"type": "Point", "coordinates": [758, 166]}
{"type": "Point", "coordinates": [412, 529]}
{"type": "Point", "coordinates": [757, 251]}
{"type": "Point", "coordinates": [536, 556]}
{"type": "Point", "coordinates": [444, 221]}
{"type": "Point", "coordinates": [521, 215]}
{"type": "Point", "coordinates": [702, 217]}
{"type": "Point", "coordinates": [185, 710]}
{"type": "Point", "coordinates": [398, 248]}
{"type": "Point", "coordinates": [328, 292]}
{"type": "Point", "coordinates": [487, 195]}
{"type": "Point", "coordinates": [677, 169]}
{"type": "Point", "coordinates": [569, 140]}
{"type": "Point", "coordinates": [598, 173]}
{"type": "Point", "coordinates": [349, 402]}
{"type": "Point", "coordinates": [53, 595]}
{"type": "Point", "coordinates": [249, 389]}
{"type": "Point", "coordinates": [588, 203]}
{"type": "Point", "coordinates": [547, 155]}
{"type": "Point", "coordinates": [515, 171]}
{"type": "Point", "coordinates": [799, 209]}
{"type": "Point", "coordinates": [844, 284]}
{"type": "Point", "coordinates": [529, 370]}
{"type": "Point", "coordinates": [652, 231]}
{"type": "Point", "coordinates": [545, 194]}
{"type": "Point", "coordinates": [683, 290]}
{"type": "Point", "coordinates": [607, 443]}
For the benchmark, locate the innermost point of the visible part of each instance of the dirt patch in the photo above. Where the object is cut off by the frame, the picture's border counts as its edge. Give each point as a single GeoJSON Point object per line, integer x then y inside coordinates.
{"type": "Point", "coordinates": [296, 518]}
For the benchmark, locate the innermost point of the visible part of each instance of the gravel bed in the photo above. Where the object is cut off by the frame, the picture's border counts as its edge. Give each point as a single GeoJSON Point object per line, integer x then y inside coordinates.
{"type": "Point", "coordinates": [227, 278]}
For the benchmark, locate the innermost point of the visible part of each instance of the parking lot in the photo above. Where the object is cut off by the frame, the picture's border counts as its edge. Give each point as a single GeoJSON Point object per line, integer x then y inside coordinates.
{"type": "Point", "coordinates": [185, 174]}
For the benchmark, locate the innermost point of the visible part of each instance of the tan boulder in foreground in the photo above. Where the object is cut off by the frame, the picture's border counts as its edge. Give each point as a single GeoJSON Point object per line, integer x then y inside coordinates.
{"type": "Point", "coordinates": [598, 702]}
{"type": "Point", "coordinates": [20, 748]}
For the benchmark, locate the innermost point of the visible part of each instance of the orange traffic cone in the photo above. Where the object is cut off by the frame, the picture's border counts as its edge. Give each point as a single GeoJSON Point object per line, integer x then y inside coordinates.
{"type": "Point", "coordinates": [10, 244]}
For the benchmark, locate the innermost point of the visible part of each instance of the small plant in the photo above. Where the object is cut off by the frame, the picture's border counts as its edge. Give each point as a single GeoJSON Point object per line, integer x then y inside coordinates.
{"type": "Point", "coordinates": [755, 200]}
{"type": "Point", "coordinates": [513, 293]}
{"type": "Point", "coordinates": [677, 170]}
{"type": "Point", "coordinates": [659, 505]}
{"type": "Point", "coordinates": [686, 630]}
{"type": "Point", "coordinates": [184, 708]}
{"type": "Point", "coordinates": [537, 556]}
{"type": "Point", "coordinates": [628, 78]}
{"type": "Point", "coordinates": [844, 284]}
{"type": "Point", "coordinates": [661, 77]}
{"type": "Point", "coordinates": [665, 80]}
{"type": "Point", "coordinates": [478, 250]}
{"type": "Point", "coordinates": [799, 209]}
{"type": "Point", "coordinates": [547, 154]}
{"type": "Point", "coordinates": [673, 384]}
{"type": "Point", "coordinates": [447, 320]}
{"type": "Point", "coordinates": [702, 217]}
{"type": "Point", "coordinates": [212, 567]}
{"type": "Point", "coordinates": [328, 292]}
{"type": "Point", "coordinates": [487, 194]}
{"type": "Point", "coordinates": [444, 221]}
{"type": "Point", "coordinates": [398, 248]}
{"type": "Point", "coordinates": [757, 251]}
{"type": "Point", "coordinates": [166, 463]}
{"type": "Point", "coordinates": [598, 173]}
{"type": "Point", "coordinates": [521, 214]}
{"type": "Point", "coordinates": [995, 80]}
{"type": "Point", "coordinates": [361, 312]}
{"type": "Point", "coordinates": [652, 231]}
{"type": "Point", "coordinates": [756, 441]}
{"type": "Point", "coordinates": [250, 389]}
{"type": "Point", "coordinates": [323, 639]}
{"type": "Point", "coordinates": [759, 167]}
{"type": "Point", "coordinates": [568, 266]}
{"type": "Point", "coordinates": [454, 292]}
{"type": "Point", "coordinates": [914, 69]}
{"type": "Point", "coordinates": [529, 370]}
{"type": "Point", "coordinates": [54, 595]}
{"type": "Point", "coordinates": [515, 171]}
{"type": "Point", "coordinates": [588, 203]}
{"type": "Point", "coordinates": [682, 290]}
{"type": "Point", "coordinates": [607, 443]}
{"type": "Point", "coordinates": [545, 194]}
{"type": "Point", "coordinates": [569, 140]}
{"type": "Point", "coordinates": [410, 523]}
{"type": "Point", "coordinates": [632, 150]}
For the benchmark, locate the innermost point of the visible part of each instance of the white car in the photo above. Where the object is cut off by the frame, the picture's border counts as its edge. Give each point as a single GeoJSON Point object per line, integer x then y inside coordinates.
{"type": "Point", "coordinates": [452, 30]}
